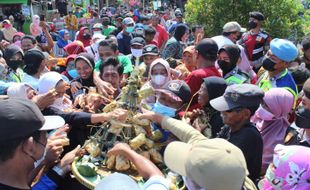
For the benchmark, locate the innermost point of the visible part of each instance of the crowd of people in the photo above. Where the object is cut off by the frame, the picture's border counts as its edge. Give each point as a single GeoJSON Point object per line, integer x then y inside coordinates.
{"type": "Point", "coordinates": [233, 109]}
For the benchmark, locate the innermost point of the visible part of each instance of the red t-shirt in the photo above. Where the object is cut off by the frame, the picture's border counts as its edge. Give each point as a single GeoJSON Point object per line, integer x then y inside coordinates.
{"type": "Point", "coordinates": [195, 79]}
{"type": "Point", "coordinates": [161, 35]}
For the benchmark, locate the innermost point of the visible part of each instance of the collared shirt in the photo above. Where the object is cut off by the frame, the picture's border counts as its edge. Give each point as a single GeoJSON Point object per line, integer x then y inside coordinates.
{"type": "Point", "coordinates": [282, 80]}
{"type": "Point", "coordinates": [236, 76]}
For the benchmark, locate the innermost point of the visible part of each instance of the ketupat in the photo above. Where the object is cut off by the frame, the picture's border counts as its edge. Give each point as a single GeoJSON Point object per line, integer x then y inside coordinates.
{"type": "Point", "coordinates": [138, 141]}
{"type": "Point", "coordinates": [121, 163]}
{"type": "Point", "coordinates": [156, 157]}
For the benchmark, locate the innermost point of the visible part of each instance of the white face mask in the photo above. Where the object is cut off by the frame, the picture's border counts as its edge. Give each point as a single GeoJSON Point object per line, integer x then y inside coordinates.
{"type": "Point", "coordinates": [38, 162]}
{"type": "Point", "coordinates": [136, 52]}
{"type": "Point", "coordinates": [158, 79]}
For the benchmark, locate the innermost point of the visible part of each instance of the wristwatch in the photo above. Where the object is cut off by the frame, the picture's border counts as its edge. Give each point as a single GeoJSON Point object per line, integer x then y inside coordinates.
{"type": "Point", "coordinates": [59, 171]}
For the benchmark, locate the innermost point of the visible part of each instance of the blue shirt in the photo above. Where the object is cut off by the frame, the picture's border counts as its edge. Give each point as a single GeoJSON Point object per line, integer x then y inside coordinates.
{"type": "Point", "coordinates": [124, 43]}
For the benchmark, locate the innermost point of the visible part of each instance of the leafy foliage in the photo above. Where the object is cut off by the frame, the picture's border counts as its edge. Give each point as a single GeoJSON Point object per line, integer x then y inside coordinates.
{"type": "Point", "coordinates": [284, 18]}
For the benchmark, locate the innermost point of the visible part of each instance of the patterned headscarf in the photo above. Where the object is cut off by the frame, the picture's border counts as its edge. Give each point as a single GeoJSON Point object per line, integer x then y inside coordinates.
{"type": "Point", "coordinates": [290, 169]}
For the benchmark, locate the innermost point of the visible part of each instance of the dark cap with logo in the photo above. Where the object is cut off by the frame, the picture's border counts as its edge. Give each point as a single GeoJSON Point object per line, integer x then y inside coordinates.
{"type": "Point", "coordinates": [150, 49]}
{"type": "Point", "coordinates": [20, 118]}
{"type": "Point", "coordinates": [178, 90]}
{"type": "Point", "coordinates": [137, 41]}
{"type": "Point", "coordinates": [207, 47]}
{"type": "Point", "coordinates": [257, 15]}
{"type": "Point", "coordinates": [238, 96]}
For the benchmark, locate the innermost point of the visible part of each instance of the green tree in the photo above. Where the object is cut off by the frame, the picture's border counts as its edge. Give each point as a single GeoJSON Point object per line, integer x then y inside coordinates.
{"type": "Point", "coordinates": [284, 18]}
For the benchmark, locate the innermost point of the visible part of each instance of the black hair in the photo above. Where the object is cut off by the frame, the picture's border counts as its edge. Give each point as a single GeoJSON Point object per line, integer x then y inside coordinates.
{"type": "Point", "coordinates": [179, 31]}
{"type": "Point", "coordinates": [173, 63]}
{"type": "Point", "coordinates": [306, 43]}
{"type": "Point", "coordinates": [299, 74]}
{"type": "Point", "coordinates": [208, 57]}
{"type": "Point", "coordinates": [8, 147]}
{"type": "Point", "coordinates": [33, 40]}
{"type": "Point", "coordinates": [108, 43]}
{"type": "Point", "coordinates": [113, 61]}
{"type": "Point", "coordinates": [195, 27]}
{"type": "Point", "coordinates": [149, 30]}
{"type": "Point", "coordinates": [252, 110]}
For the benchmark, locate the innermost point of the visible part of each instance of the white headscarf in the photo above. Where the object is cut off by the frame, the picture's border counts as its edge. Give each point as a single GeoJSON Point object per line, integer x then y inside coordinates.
{"type": "Point", "coordinates": [18, 90]}
{"type": "Point", "coordinates": [48, 81]}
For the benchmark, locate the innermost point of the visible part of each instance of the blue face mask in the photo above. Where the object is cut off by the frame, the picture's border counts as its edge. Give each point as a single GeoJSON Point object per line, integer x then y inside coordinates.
{"type": "Point", "coordinates": [164, 110]}
{"type": "Point", "coordinates": [130, 29]}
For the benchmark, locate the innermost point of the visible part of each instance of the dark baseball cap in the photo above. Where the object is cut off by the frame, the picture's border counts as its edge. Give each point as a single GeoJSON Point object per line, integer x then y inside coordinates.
{"type": "Point", "coordinates": [257, 15]}
{"type": "Point", "coordinates": [34, 57]}
{"type": "Point", "coordinates": [150, 49]}
{"type": "Point", "coordinates": [178, 90]}
{"type": "Point", "coordinates": [20, 118]}
{"type": "Point", "coordinates": [207, 47]}
{"type": "Point", "coordinates": [238, 96]}
{"type": "Point", "coordinates": [137, 41]}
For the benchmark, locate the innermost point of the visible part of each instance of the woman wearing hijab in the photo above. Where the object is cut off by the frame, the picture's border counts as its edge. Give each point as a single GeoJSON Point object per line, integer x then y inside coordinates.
{"type": "Point", "coordinates": [84, 65]}
{"type": "Point", "coordinates": [84, 36]}
{"type": "Point", "coordinates": [271, 120]}
{"type": "Point", "coordinates": [208, 120]}
{"type": "Point", "coordinates": [188, 62]}
{"type": "Point", "coordinates": [14, 56]}
{"type": "Point", "coordinates": [62, 41]}
{"type": "Point", "coordinates": [53, 80]}
{"type": "Point", "coordinates": [17, 38]}
{"type": "Point", "coordinates": [289, 170]}
{"type": "Point", "coordinates": [8, 30]}
{"type": "Point", "coordinates": [228, 60]}
{"type": "Point", "coordinates": [75, 47]}
{"type": "Point", "coordinates": [159, 75]}
{"type": "Point", "coordinates": [176, 44]}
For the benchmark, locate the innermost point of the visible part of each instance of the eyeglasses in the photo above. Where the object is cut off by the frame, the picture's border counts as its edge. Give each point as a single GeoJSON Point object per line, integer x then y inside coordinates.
{"type": "Point", "coordinates": [234, 110]}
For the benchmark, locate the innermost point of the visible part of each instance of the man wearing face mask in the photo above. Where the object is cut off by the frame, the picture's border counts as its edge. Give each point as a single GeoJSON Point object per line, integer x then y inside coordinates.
{"type": "Point", "coordinates": [172, 98]}
{"type": "Point", "coordinates": [228, 60]}
{"type": "Point", "coordinates": [107, 27]}
{"type": "Point", "coordinates": [125, 36]}
{"type": "Point", "coordinates": [281, 53]}
{"type": "Point", "coordinates": [256, 41]}
{"type": "Point", "coordinates": [137, 45]}
{"type": "Point", "coordinates": [23, 145]}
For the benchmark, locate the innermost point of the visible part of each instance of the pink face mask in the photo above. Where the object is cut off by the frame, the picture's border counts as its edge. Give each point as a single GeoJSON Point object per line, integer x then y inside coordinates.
{"type": "Point", "coordinates": [263, 114]}
{"type": "Point", "coordinates": [7, 25]}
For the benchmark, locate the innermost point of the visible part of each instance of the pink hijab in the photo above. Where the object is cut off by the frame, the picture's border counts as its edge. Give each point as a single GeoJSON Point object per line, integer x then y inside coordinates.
{"type": "Point", "coordinates": [273, 123]}
{"type": "Point", "coordinates": [290, 169]}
